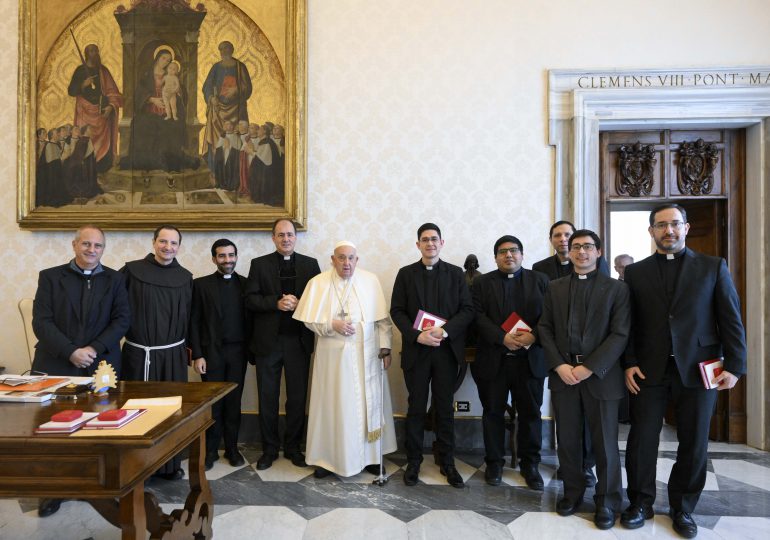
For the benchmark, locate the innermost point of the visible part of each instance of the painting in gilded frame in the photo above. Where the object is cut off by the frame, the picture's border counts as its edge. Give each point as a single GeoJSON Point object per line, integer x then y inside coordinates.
{"type": "Point", "coordinates": [139, 111]}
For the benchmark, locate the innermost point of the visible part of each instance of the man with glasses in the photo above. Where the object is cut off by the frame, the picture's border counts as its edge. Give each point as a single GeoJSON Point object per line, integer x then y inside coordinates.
{"type": "Point", "coordinates": [79, 315]}
{"type": "Point", "coordinates": [685, 311]}
{"type": "Point", "coordinates": [510, 361]}
{"type": "Point", "coordinates": [279, 343]}
{"type": "Point", "coordinates": [584, 330]}
{"type": "Point", "coordinates": [432, 308]}
{"type": "Point", "coordinates": [556, 266]}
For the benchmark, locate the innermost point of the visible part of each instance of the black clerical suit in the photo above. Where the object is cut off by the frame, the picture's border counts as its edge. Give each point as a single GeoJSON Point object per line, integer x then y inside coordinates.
{"type": "Point", "coordinates": [588, 317]}
{"type": "Point", "coordinates": [685, 311]}
{"type": "Point", "coordinates": [498, 370]}
{"type": "Point", "coordinates": [220, 332]}
{"type": "Point", "coordinates": [441, 291]}
{"type": "Point", "coordinates": [554, 269]}
{"type": "Point", "coordinates": [280, 343]}
{"type": "Point", "coordinates": [74, 310]}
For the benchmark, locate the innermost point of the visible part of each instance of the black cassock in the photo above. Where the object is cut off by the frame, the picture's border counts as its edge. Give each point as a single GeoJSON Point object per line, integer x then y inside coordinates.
{"type": "Point", "coordinates": [160, 298]}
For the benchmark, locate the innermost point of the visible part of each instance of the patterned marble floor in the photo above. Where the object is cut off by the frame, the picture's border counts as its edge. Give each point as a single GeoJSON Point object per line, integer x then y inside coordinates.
{"type": "Point", "coordinates": [286, 502]}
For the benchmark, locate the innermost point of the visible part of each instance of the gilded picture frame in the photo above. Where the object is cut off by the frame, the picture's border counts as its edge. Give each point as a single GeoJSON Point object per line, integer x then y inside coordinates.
{"type": "Point", "coordinates": [136, 112]}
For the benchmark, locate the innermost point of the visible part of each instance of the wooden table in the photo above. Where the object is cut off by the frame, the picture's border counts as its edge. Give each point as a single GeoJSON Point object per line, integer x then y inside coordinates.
{"type": "Point", "coordinates": [109, 472]}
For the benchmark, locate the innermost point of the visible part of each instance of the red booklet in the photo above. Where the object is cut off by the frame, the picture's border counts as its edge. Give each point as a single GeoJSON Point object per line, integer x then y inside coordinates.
{"type": "Point", "coordinates": [514, 324]}
{"type": "Point", "coordinates": [99, 423]}
{"type": "Point", "coordinates": [65, 426]}
{"type": "Point", "coordinates": [425, 320]}
{"type": "Point", "coordinates": [709, 370]}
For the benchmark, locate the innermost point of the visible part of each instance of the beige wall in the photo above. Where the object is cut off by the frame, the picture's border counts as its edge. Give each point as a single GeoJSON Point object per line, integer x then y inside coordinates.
{"type": "Point", "coordinates": [430, 110]}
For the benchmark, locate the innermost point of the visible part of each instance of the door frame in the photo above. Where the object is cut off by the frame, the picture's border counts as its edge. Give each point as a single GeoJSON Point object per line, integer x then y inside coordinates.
{"type": "Point", "coordinates": [577, 115]}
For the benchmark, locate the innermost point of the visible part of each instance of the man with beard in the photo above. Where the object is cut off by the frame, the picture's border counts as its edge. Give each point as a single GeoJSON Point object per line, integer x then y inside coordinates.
{"type": "Point", "coordinates": [220, 331]}
{"type": "Point", "coordinates": [685, 311]}
{"type": "Point", "coordinates": [97, 102]}
{"type": "Point", "coordinates": [160, 295]}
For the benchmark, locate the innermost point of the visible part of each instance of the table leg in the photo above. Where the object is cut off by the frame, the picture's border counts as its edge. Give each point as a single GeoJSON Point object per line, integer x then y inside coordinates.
{"type": "Point", "coordinates": [133, 521]}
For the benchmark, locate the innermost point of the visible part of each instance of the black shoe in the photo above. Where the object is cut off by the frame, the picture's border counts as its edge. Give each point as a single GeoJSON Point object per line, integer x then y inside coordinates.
{"type": "Point", "coordinates": [211, 458]}
{"type": "Point", "coordinates": [684, 524]}
{"type": "Point", "coordinates": [375, 469]}
{"type": "Point", "coordinates": [175, 475]}
{"type": "Point", "coordinates": [411, 474]}
{"type": "Point", "coordinates": [265, 461]}
{"type": "Point", "coordinates": [566, 507]}
{"type": "Point", "coordinates": [47, 507]}
{"type": "Point", "coordinates": [532, 476]}
{"type": "Point", "coordinates": [494, 473]}
{"type": "Point", "coordinates": [559, 475]}
{"type": "Point", "coordinates": [320, 472]}
{"type": "Point", "coordinates": [452, 476]}
{"type": "Point", "coordinates": [235, 458]}
{"type": "Point", "coordinates": [604, 518]}
{"type": "Point", "coordinates": [588, 473]}
{"type": "Point", "coordinates": [633, 517]}
{"type": "Point", "coordinates": [297, 458]}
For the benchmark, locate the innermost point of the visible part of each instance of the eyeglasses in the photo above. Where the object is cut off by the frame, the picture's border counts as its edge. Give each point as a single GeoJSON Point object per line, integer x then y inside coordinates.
{"type": "Point", "coordinates": [587, 247]}
{"type": "Point", "coordinates": [429, 239]}
{"type": "Point", "coordinates": [512, 250]}
{"type": "Point", "coordinates": [664, 225]}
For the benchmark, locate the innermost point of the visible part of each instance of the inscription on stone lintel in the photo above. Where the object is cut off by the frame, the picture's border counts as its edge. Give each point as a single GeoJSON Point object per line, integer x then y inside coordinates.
{"type": "Point", "coordinates": [671, 80]}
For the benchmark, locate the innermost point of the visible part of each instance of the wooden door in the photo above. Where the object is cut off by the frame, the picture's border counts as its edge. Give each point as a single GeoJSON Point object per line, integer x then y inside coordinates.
{"type": "Point", "coordinates": [657, 174]}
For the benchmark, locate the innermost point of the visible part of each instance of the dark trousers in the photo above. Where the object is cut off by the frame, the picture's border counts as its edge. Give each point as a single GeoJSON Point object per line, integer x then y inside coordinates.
{"type": "Point", "coordinates": [574, 405]}
{"type": "Point", "coordinates": [693, 409]}
{"type": "Point", "coordinates": [526, 391]}
{"type": "Point", "coordinates": [227, 411]}
{"type": "Point", "coordinates": [436, 371]}
{"type": "Point", "coordinates": [290, 357]}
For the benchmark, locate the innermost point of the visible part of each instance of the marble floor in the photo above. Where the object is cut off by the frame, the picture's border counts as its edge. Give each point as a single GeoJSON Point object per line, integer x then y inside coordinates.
{"type": "Point", "coordinates": [286, 502]}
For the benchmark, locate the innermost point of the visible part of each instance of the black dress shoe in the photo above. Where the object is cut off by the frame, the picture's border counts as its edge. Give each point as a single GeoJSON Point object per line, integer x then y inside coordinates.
{"type": "Point", "coordinates": [297, 458]}
{"type": "Point", "coordinates": [320, 472]}
{"type": "Point", "coordinates": [590, 477]}
{"type": "Point", "coordinates": [265, 461]}
{"type": "Point", "coordinates": [633, 517]}
{"type": "Point", "coordinates": [235, 458]}
{"type": "Point", "coordinates": [375, 469]}
{"type": "Point", "coordinates": [211, 458]}
{"type": "Point", "coordinates": [452, 476]}
{"type": "Point", "coordinates": [411, 474]}
{"type": "Point", "coordinates": [175, 475]}
{"type": "Point", "coordinates": [46, 507]}
{"type": "Point", "coordinates": [684, 524]}
{"type": "Point", "coordinates": [532, 477]}
{"type": "Point", "coordinates": [494, 474]}
{"type": "Point", "coordinates": [566, 507]}
{"type": "Point", "coordinates": [604, 518]}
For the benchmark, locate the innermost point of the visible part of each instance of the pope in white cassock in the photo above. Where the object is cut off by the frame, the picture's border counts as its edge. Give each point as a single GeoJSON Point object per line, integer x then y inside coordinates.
{"type": "Point", "coordinates": [350, 412]}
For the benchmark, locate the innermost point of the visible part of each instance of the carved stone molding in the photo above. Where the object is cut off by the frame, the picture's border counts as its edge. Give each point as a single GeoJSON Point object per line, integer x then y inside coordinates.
{"type": "Point", "coordinates": [636, 164]}
{"type": "Point", "coordinates": [697, 161]}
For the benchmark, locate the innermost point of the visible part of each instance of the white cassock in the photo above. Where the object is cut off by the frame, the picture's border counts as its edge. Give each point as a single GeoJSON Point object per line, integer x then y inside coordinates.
{"type": "Point", "coordinates": [349, 414]}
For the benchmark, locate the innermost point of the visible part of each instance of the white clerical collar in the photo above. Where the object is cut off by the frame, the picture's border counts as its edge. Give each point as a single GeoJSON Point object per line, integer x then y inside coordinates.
{"type": "Point", "coordinates": [287, 257]}
{"type": "Point", "coordinates": [511, 276]}
{"type": "Point", "coordinates": [670, 256]}
{"type": "Point", "coordinates": [564, 263]}
{"type": "Point", "coordinates": [87, 272]}
{"type": "Point", "coordinates": [227, 276]}
{"type": "Point", "coordinates": [582, 276]}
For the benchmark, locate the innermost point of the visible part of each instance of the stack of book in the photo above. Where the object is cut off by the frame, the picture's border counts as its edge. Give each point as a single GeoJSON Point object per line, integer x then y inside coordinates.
{"type": "Point", "coordinates": [113, 419]}
{"type": "Point", "coordinates": [66, 422]}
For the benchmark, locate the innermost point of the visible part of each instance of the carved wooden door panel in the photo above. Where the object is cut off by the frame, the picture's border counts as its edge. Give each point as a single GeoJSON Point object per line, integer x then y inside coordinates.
{"type": "Point", "coordinates": [704, 171]}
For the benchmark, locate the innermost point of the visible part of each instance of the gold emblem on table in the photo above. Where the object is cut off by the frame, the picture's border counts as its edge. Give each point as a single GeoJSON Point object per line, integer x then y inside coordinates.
{"type": "Point", "coordinates": [104, 378]}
